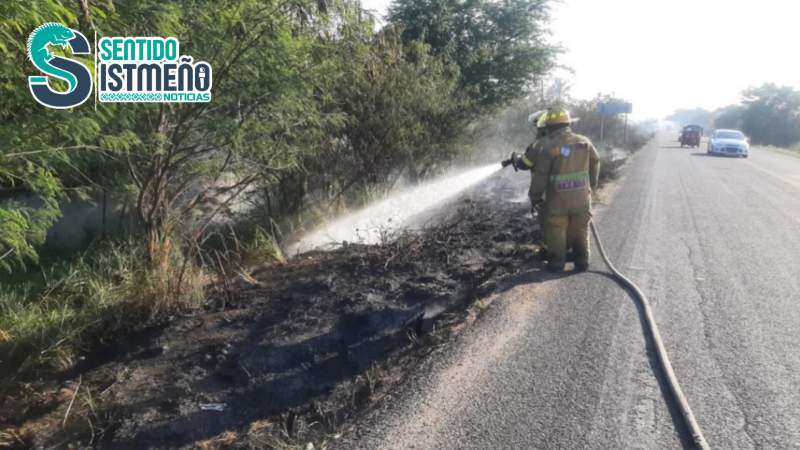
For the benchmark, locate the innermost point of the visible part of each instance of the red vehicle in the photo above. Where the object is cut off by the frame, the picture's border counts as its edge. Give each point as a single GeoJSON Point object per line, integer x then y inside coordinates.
{"type": "Point", "coordinates": [690, 136]}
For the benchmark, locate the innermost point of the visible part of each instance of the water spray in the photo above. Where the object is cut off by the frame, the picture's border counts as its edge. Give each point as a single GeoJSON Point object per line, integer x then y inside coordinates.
{"type": "Point", "coordinates": [371, 224]}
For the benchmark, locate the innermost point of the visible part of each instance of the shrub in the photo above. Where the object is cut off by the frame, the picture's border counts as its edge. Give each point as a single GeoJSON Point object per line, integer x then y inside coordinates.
{"type": "Point", "coordinates": [46, 321]}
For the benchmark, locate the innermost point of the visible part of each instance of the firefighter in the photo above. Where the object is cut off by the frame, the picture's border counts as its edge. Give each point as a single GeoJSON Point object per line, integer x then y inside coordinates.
{"type": "Point", "coordinates": [526, 162]}
{"type": "Point", "coordinates": [565, 170]}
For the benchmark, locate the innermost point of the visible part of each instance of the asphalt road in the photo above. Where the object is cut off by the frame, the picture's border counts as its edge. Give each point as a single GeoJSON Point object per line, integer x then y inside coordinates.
{"type": "Point", "coordinates": [561, 363]}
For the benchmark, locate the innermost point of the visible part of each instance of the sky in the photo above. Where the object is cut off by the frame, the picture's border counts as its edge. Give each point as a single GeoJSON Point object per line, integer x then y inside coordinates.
{"type": "Point", "coordinates": [664, 55]}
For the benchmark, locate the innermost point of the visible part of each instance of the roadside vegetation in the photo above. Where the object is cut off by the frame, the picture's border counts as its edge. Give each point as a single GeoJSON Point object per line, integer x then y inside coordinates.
{"type": "Point", "coordinates": [769, 115]}
{"type": "Point", "coordinates": [315, 110]}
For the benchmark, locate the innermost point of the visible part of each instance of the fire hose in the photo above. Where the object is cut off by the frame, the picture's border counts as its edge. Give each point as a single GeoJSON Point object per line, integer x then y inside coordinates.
{"type": "Point", "coordinates": [661, 351]}
{"type": "Point", "coordinates": [650, 327]}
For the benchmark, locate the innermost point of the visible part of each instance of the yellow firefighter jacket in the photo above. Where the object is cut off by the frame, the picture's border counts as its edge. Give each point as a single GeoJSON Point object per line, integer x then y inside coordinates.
{"type": "Point", "coordinates": [566, 170]}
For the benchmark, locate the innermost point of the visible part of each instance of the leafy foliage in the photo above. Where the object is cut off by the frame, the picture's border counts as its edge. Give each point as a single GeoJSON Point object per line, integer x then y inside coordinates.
{"type": "Point", "coordinates": [729, 117]}
{"type": "Point", "coordinates": [499, 46]}
{"type": "Point", "coordinates": [768, 114]}
{"type": "Point", "coordinates": [299, 88]}
{"type": "Point", "coordinates": [310, 105]}
{"type": "Point", "coordinates": [33, 142]}
{"type": "Point", "coordinates": [772, 115]}
{"type": "Point", "coordinates": [265, 118]}
{"type": "Point", "coordinates": [402, 112]}
{"type": "Point", "coordinates": [616, 132]}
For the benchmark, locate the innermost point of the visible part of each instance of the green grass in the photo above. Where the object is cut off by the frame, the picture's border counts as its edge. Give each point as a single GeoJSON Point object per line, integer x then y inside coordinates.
{"type": "Point", "coordinates": [50, 316]}
{"type": "Point", "coordinates": [262, 247]}
{"type": "Point", "coordinates": [48, 319]}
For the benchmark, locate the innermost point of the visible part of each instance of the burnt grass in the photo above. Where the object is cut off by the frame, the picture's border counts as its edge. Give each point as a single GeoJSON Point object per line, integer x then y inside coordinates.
{"type": "Point", "coordinates": [290, 354]}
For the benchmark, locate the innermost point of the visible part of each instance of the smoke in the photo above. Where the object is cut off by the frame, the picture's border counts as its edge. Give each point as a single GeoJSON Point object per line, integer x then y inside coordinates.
{"type": "Point", "coordinates": [494, 137]}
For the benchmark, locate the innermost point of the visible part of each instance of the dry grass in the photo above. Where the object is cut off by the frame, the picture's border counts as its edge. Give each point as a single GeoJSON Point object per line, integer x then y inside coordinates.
{"type": "Point", "coordinates": [263, 247]}
{"type": "Point", "coordinates": [224, 440]}
{"type": "Point", "coordinates": [10, 438]}
{"type": "Point", "coordinates": [48, 321]}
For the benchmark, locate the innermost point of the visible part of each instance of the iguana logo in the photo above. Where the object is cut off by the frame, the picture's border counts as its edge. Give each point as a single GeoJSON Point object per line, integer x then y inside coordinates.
{"type": "Point", "coordinates": [75, 73]}
{"type": "Point", "coordinates": [45, 35]}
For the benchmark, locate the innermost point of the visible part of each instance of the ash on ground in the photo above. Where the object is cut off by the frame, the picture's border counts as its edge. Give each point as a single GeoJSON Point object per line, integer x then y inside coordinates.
{"type": "Point", "coordinates": [288, 354]}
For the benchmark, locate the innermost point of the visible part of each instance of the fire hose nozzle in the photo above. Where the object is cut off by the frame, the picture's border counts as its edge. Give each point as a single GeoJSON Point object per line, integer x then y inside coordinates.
{"type": "Point", "coordinates": [513, 161]}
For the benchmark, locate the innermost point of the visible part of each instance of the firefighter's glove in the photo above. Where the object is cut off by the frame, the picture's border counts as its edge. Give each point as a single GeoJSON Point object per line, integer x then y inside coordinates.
{"type": "Point", "coordinates": [515, 161]}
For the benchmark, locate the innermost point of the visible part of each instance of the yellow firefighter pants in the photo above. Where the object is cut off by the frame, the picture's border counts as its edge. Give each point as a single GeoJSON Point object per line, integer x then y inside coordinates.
{"type": "Point", "coordinates": [568, 230]}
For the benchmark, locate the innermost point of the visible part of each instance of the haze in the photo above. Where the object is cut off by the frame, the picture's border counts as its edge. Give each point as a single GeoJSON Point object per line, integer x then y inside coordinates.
{"type": "Point", "coordinates": [678, 54]}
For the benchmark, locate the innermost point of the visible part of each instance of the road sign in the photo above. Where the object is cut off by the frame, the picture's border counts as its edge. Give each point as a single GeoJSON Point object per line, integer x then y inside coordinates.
{"type": "Point", "coordinates": [614, 108]}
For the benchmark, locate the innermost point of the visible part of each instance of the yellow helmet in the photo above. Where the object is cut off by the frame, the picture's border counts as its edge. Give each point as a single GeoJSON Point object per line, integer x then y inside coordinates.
{"type": "Point", "coordinates": [554, 116]}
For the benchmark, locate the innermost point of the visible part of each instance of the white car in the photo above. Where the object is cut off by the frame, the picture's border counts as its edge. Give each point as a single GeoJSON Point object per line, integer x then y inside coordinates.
{"type": "Point", "coordinates": [729, 143]}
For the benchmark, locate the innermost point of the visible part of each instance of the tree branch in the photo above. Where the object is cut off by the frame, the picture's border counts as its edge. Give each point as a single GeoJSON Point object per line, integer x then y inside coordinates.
{"type": "Point", "coordinates": [6, 254]}
{"type": "Point", "coordinates": [37, 152]}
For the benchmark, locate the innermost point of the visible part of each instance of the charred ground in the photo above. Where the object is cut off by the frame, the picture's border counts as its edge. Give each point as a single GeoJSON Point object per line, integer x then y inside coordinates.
{"type": "Point", "coordinates": [288, 354]}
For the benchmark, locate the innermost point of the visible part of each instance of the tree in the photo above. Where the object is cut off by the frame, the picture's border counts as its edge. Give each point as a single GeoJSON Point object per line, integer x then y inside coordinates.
{"type": "Point", "coordinates": [591, 121]}
{"type": "Point", "coordinates": [402, 111]}
{"type": "Point", "coordinates": [729, 117]}
{"type": "Point", "coordinates": [265, 119]}
{"type": "Point", "coordinates": [188, 163]}
{"type": "Point", "coordinates": [37, 145]}
{"type": "Point", "coordinates": [499, 46]}
{"type": "Point", "coordinates": [772, 115]}
{"type": "Point", "coordinates": [306, 97]}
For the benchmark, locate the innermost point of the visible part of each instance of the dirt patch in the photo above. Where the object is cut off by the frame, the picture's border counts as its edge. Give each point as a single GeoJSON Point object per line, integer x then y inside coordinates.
{"type": "Point", "coordinates": [287, 355]}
